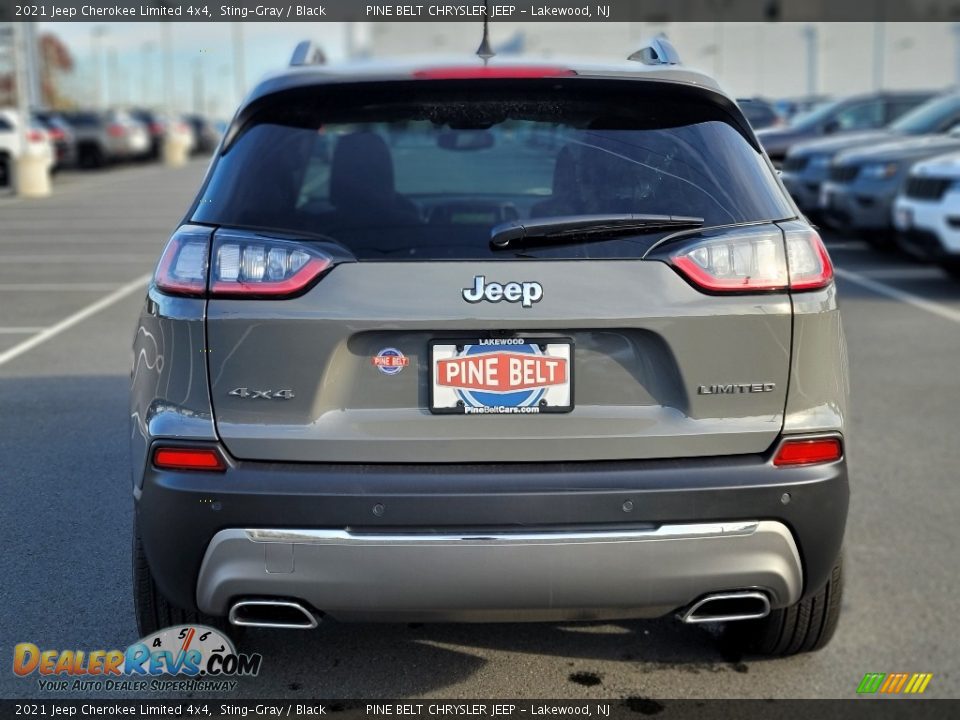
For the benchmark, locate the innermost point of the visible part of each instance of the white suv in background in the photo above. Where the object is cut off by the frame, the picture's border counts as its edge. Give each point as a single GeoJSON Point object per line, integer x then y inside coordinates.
{"type": "Point", "coordinates": [38, 143]}
{"type": "Point", "coordinates": [927, 212]}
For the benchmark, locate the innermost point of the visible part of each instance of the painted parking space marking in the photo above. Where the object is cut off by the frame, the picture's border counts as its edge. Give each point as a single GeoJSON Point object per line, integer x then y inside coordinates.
{"type": "Point", "coordinates": [79, 316]}
{"type": "Point", "coordinates": [880, 288]}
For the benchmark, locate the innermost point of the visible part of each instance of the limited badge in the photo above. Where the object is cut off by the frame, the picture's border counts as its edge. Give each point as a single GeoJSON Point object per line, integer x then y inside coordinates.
{"type": "Point", "coordinates": [390, 361]}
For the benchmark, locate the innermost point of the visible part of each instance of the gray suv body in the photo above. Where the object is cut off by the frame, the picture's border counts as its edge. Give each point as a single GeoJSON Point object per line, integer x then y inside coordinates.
{"type": "Point", "coordinates": [482, 343]}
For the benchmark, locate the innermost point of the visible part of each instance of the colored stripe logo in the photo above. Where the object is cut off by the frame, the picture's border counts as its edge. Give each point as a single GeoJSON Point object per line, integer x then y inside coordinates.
{"type": "Point", "coordinates": [894, 683]}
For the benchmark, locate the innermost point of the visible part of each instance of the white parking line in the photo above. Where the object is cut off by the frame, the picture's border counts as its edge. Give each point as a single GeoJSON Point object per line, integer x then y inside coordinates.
{"type": "Point", "coordinates": [848, 245]}
{"type": "Point", "coordinates": [102, 258]}
{"type": "Point", "coordinates": [79, 316]}
{"type": "Point", "coordinates": [934, 308]}
{"type": "Point", "coordinates": [18, 330]}
{"type": "Point", "coordinates": [904, 273]}
{"type": "Point", "coordinates": [57, 287]}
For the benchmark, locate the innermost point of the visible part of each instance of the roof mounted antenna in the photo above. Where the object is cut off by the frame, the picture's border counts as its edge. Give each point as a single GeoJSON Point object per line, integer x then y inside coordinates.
{"type": "Point", "coordinates": [485, 52]}
{"type": "Point", "coordinates": [308, 53]}
{"type": "Point", "coordinates": [657, 51]}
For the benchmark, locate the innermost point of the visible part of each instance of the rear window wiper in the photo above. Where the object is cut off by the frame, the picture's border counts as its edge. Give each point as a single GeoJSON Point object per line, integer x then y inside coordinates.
{"type": "Point", "coordinates": [582, 228]}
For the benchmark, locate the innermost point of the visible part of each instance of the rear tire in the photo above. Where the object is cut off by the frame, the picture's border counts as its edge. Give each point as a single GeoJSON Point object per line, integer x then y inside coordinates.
{"type": "Point", "coordinates": [807, 626]}
{"type": "Point", "coordinates": [153, 610]}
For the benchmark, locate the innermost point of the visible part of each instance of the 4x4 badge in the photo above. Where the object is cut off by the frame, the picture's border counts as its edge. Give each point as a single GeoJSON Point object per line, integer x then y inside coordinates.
{"type": "Point", "coordinates": [525, 293]}
{"type": "Point", "coordinates": [248, 394]}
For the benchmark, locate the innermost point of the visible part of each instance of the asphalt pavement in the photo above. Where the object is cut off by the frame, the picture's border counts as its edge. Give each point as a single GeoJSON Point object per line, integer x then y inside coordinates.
{"type": "Point", "coordinates": [72, 272]}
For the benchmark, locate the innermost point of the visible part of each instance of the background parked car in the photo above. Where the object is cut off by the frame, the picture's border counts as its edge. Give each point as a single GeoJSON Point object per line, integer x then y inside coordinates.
{"type": "Point", "coordinates": [861, 112]}
{"type": "Point", "coordinates": [927, 212]}
{"type": "Point", "coordinates": [158, 125]}
{"type": "Point", "coordinates": [858, 197]}
{"type": "Point", "coordinates": [155, 124]}
{"type": "Point", "coordinates": [107, 136]}
{"type": "Point", "coordinates": [760, 113]}
{"type": "Point", "coordinates": [205, 134]}
{"type": "Point", "coordinates": [62, 137]}
{"type": "Point", "coordinates": [11, 146]}
{"type": "Point", "coordinates": [790, 108]}
{"type": "Point", "coordinates": [807, 164]}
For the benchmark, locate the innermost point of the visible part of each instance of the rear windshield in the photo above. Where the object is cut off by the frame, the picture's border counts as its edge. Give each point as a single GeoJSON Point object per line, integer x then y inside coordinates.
{"type": "Point", "coordinates": [403, 177]}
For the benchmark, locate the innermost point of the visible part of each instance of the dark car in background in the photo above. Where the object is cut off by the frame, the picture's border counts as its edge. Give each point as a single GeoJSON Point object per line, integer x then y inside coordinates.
{"type": "Point", "coordinates": [807, 165]}
{"type": "Point", "coordinates": [61, 135]}
{"type": "Point", "coordinates": [156, 124]}
{"type": "Point", "coordinates": [861, 112]}
{"type": "Point", "coordinates": [205, 133]}
{"type": "Point", "coordinates": [760, 113]}
{"type": "Point", "coordinates": [859, 195]}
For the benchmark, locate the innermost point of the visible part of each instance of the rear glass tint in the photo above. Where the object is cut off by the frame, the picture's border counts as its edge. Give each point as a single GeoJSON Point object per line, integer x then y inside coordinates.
{"type": "Point", "coordinates": [399, 176]}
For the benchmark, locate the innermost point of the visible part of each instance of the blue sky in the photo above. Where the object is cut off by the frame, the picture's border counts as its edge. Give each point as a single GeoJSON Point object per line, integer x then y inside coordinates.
{"type": "Point", "coordinates": [135, 76]}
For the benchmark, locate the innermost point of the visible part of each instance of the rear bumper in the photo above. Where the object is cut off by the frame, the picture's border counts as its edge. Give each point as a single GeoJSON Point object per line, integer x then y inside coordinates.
{"type": "Point", "coordinates": [586, 574]}
{"type": "Point", "coordinates": [453, 542]}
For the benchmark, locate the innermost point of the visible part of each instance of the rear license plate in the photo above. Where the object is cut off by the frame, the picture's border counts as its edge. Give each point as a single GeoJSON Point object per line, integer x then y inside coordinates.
{"type": "Point", "coordinates": [501, 376]}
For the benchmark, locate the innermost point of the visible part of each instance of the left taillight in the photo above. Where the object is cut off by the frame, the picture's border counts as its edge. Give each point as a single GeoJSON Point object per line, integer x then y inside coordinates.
{"type": "Point", "coordinates": [182, 269]}
{"type": "Point", "coordinates": [795, 260]}
{"type": "Point", "coordinates": [239, 265]}
{"type": "Point", "coordinates": [258, 266]}
{"type": "Point", "coordinates": [180, 458]}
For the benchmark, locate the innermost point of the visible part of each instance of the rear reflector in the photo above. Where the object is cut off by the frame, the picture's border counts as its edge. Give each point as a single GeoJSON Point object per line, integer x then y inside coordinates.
{"type": "Point", "coordinates": [470, 72]}
{"type": "Point", "coordinates": [189, 459]}
{"type": "Point", "coordinates": [808, 452]}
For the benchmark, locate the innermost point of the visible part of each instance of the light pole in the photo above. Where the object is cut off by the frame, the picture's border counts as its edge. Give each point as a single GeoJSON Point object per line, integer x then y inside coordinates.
{"type": "Point", "coordinates": [146, 79]}
{"type": "Point", "coordinates": [30, 172]}
{"type": "Point", "coordinates": [239, 72]}
{"type": "Point", "coordinates": [166, 42]}
{"type": "Point", "coordinates": [956, 53]}
{"type": "Point", "coordinates": [96, 33]}
{"type": "Point", "coordinates": [879, 54]}
{"type": "Point", "coordinates": [811, 38]}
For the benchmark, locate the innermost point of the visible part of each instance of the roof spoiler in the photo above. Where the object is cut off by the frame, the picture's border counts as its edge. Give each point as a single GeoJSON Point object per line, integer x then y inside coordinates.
{"type": "Point", "coordinates": [657, 51]}
{"type": "Point", "coordinates": [308, 53]}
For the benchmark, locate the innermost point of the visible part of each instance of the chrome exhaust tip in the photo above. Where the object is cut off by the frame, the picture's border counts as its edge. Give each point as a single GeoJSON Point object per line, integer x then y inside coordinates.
{"type": "Point", "coordinates": [727, 607]}
{"type": "Point", "coordinates": [285, 614]}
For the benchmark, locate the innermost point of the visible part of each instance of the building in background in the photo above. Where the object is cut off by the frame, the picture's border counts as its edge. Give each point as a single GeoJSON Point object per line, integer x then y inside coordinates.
{"type": "Point", "coordinates": [211, 65]}
{"type": "Point", "coordinates": [768, 58]}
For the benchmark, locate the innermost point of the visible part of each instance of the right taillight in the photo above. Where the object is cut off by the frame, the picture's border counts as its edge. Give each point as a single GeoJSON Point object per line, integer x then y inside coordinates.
{"type": "Point", "coordinates": [808, 451]}
{"type": "Point", "coordinates": [807, 260]}
{"type": "Point", "coordinates": [756, 262]}
{"type": "Point", "coordinates": [747, 263]}
{"type": "Point", "coordinates": [239, 265]}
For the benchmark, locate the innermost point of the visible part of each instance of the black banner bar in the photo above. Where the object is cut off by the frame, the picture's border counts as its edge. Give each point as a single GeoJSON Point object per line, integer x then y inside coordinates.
{"type": "Point", "coordinates": [647, 11]}
{"type": "Point", "coordinates": [631, 708]}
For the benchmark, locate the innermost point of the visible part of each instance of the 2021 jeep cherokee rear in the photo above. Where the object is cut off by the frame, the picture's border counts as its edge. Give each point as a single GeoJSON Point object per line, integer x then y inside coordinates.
{"type": "Point", "coordinates": [491, 342]}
